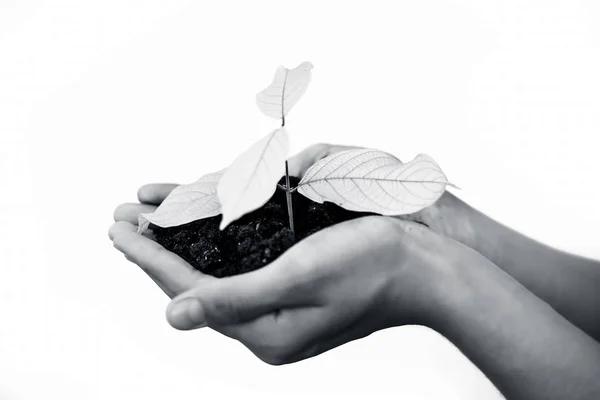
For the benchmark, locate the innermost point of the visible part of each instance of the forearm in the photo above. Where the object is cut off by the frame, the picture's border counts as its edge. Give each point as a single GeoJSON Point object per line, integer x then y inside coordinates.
{"type": "Point", "coordinates": [521, 344]}
{"type": "Point", "coordinates": [569, 283]}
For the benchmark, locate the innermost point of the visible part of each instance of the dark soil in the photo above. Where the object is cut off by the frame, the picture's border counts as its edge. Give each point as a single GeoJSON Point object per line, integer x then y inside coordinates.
{"type": "Point", "coordinates": [254, 240]}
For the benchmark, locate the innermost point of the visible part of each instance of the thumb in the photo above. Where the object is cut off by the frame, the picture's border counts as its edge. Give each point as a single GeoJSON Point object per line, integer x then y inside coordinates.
{"type": "Point", "coordinates": [232, 300]}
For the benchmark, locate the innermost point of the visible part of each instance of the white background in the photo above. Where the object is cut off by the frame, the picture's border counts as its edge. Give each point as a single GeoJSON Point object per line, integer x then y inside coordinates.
{"type": "Point", "coordinates": [98, 98]}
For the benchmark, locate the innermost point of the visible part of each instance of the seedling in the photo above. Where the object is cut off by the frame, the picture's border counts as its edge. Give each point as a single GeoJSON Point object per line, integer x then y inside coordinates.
{"type": "Point", "coordinates": [362, 180]}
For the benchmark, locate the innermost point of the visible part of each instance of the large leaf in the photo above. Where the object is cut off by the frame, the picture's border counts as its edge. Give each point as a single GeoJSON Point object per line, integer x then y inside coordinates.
{"type": "Point", "coordinates": [250, 181]}
{"type": "Point", "coordinates": [287, 87]}
{"type": "Point", "coordinates": [186, 203]}
{"type": "Point", "coordinates": [367, 180]}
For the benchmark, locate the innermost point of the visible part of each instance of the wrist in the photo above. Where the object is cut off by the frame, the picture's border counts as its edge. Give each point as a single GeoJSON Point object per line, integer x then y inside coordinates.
{"type": "Point", "coordinates": [426, 262]}
{"type": "Point", "coordinates": [458, 279]}
{"type": "Point", "coordinates": [451, 217]}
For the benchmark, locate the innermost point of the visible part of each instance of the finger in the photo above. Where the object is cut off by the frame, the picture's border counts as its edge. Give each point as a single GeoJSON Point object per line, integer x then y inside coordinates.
{"type": "Point", "coordinates": [240, 298]}
{"type": "Point", "coordinates": [302, 161]}
{"type": "Point", "coordinates": [299, 163]}
{"type": "Point", "coordinates": [155, 193]}
{"type": "Point", "coordinates": [120, 226]}
{"type": "Point", "coordinates": [292, 280]}
{"type": "Point", "coordinates": [173, 272]}
{"type": "Point", "coordinates": [130, 212]}
{"type": "Point", "coordinates": [165, 289]}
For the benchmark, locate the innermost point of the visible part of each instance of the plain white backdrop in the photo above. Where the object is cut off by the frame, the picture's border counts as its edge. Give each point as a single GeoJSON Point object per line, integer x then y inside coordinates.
{"type": "Point", "coordinates": [98, 98]}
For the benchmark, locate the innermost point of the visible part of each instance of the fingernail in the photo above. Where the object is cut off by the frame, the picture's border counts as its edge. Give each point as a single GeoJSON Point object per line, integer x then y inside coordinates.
{"type": "Point", "coordinates": [187, 314]}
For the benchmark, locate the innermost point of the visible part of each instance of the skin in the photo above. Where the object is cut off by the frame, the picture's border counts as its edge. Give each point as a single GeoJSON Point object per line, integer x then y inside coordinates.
{"type": "Point", "coordinates": [467, 277]}
{"type": "Point", "coordinates": [567, 282]}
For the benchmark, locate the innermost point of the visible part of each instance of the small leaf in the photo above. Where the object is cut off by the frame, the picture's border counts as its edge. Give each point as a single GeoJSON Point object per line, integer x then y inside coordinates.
{"type": "Point", "coordinates": [186, 203]}
{"type": "Point", "coordinates": [252, 178]}
{"type": "Point", "coordinates": [287, 87]}
{"type": "Point", "coordinates": [369, 180]}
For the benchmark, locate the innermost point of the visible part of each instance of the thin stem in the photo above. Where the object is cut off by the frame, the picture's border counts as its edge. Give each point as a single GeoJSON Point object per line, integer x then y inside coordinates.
{"type": "Point", "coordinates": [288, 196]}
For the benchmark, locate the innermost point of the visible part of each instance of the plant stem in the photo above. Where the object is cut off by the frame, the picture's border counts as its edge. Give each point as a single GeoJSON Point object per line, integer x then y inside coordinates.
{"type": "Point", "coordinates": [288, 189]}
{"type": "Point", "coordinates": [288, 196]}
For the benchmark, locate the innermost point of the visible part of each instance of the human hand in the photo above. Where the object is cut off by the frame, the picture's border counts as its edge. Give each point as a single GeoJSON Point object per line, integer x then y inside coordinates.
{"type": "Point", "coordinates": [340, 284]}
{"type": "Point", "coordinates": [357, 259]}
{"type": "Point", "coordinates": [441, 217]}
{"type": "Point", "coordinates": [170, 272]}
{"type": "Point", "coordinates": [151, 256]}
{"type": "Point", "coordinates": [155, 259]}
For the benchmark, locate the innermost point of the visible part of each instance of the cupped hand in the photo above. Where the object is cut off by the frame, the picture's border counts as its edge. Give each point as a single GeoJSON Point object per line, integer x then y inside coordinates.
{"type": "Point", "coordinates": [340, 284]}
{"type": "Point", "coordinates": [155, 259]}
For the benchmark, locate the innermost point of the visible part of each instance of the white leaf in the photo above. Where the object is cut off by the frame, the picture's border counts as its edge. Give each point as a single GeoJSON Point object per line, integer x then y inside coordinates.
{"type": "Point", "coordinates": [250, 181]}
{"type": "Point", "coordinates": [369, 180]}
{"type": "Point", "coordinates": [186, 203]}
{"type": "Point", "coordinates": [287, 87]}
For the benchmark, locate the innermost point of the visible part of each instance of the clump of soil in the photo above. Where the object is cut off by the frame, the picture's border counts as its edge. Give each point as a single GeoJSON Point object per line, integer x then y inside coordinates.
{"type": "Point", "coordinates": [254, 240]}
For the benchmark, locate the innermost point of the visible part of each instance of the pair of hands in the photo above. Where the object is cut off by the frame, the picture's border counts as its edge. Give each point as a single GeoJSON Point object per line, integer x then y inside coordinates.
{"type": "Point", "coordinates": [340, 284]}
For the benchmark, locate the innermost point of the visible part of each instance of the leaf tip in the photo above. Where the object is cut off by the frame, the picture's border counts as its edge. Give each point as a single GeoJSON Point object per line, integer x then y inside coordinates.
{"type": "Point", "coordinates": [225, 221]}
{"type": "Point", "coordinates": [143, 224]}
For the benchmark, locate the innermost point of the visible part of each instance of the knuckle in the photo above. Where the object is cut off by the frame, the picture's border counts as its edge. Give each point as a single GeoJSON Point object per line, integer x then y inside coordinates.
{"type": "Point", "coordinates": [225, 310]}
